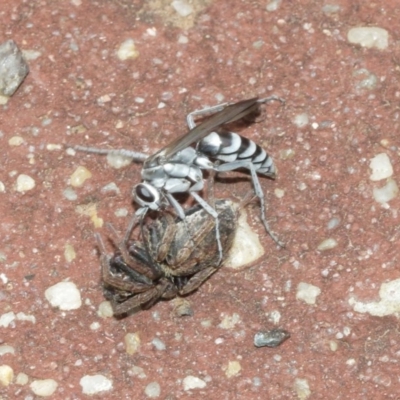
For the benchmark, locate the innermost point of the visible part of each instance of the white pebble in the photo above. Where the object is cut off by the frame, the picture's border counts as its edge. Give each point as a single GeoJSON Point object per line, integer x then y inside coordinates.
{"type": "Point", "coordinates": [70, 194]}
{"type": "Point", "coordinates": [24, 183]}
{"type": "Point", "coordinates": [26, 317]}
{"type": "Point", "coordinates": [6, 349]}
{"type": "Point", "coordinates": [327, 244]}
{"type": "Point", "coordinates": [79, 176]}
{"type": "Point", "coordinates": [302, 388]}
{"type": "Point", "coordinates": [182, 8]}
{"type": "Point", "coordinates": [44, 387]}
{"type": "Point", "coordinates": [388, 304]}
{"type": "Point", "coordinates": [121, 212]}
{"type": "Point", "coordinates": [308, 293]}
{"type": "Point", "coordinates": [229, 321]}
{"type": "Point", "coordinates": [152, 390]}
{"type": "Point", "coordinates": [69, 253]}
{"type": "Point", "coordinates": [158, 344]}
{"type": "Point", "coordinates": [231, 369]}
{"type": "Point", "coordinates": [94, 326]}
{"type": "Point", "coordinates": [110, 187]}
{"type": "Point", "coordinates": [369, 36]}
{"type": "Point", "coordinates": [246, 247]}
{"type": "Point", "coordinates": [118, 161]}
{"type": "Point", "coordinates": [192, 382]}
{"type": "Point", "coordinates": [105, 310]}
{"type": "Point", "coordinates": [6, 375]}
{"type": "Point", "coordinates": [15, 141]}
{"type": "Point", "coordinates": [387, 192]}
{"type": "Point", "coordinates": [92, 384]}
{"type": "Point", "coordinates": [2, 187]}
{"type": "Point", "coordinates": [64, 295]}
{"type": "Point", "coordinates": [301, 120]}
{"type": "Point", "coordinates": [127, 50]}
{"type": "Point", "coordinates": [6, 319]}
{"type": "Point", "coordinates": [132, 342]}
{"type": "Point", "coordinates": [22, 379]}
{"type": "Point", "coordinates": [273, 5]}
{"type": "Point", "coordinates": [333, 223]}
{"type": "Point", "coordinates": [182, 39]}
{"type": "Point", "coordinates": [381, 167]}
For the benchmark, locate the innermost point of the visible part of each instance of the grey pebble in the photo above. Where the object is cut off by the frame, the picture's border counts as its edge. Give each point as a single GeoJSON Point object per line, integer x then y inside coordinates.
{"type": "Point", "coordinates": [272, 338]}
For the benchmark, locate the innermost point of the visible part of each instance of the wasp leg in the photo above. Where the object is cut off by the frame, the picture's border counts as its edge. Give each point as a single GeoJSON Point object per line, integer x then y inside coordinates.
{"type": "Point", "coordinates": [257, 189]}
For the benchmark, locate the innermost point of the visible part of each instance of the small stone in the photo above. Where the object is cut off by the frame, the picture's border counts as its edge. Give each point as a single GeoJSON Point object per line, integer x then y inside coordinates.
{"type": "Point", "coordinates": [307, 292]}
{"type": "Point", "coordinates": [70, 194]}
{"type": "Point", "coordinates": [158, 344]}
{"type": "Point", "coordinates": [90, 210]}
{"type": "Point", "coordinates": [64, 295]}
{"type": "Point", "coordinates": [132, 343]}
{"type": "Point", "coordinates": [13, 68]}
{"type": "Point", "coordinates": [2, 187]}
{"type": "Point", "coordinates": [152, 390]}
{"type": "Point", "coordinates": [369, 37]}
{"type": "Point", "coordinates": [22, 379]}
{"type": "Point", "coordinates": [387, 192]}
{"type": "Point", "coordinates": [232, 369]}
{"type": "Point", "coordinates": [127, 50]}
{"type": "Point", "coordinates": [118, 161]}
{"type": "Point", "coordinates": [192, 382]}
{"type": "Point", "coordinates": [381, 167]}
{"type": "Point", "coordinates": [333, 223]}
{"type": "Point", "coordinates": [6, 375]}
{"type": "Point", "coordinates": [44, 387]}
{"type": "Point", "coordinates": [53, 147]}
{"type": "Point", "coordinates": [69, 253]}
{"type": "Point", "coordinates": [273, 5]}
{"type": "Point", "coordinates": [6, 319]}
{"type": "Point", "coordinates": [105, 310]}
{"type": "Point", "coordinates": [6, 349]}
{"type": "Point", "coordinates": [121, 212]}
{"type": "Point", "coordinates": [327, 244]}
{"type": "Point", "coordinates": [301, 120]}
{"type": "Point", "coordinates": [92, 384]}
{"type": "Point", "coordinates": [79, 176]}
{"type": "Point", "coordinates": [137, 371]}
{"type": "Point", "coordinates": [182, 307]}
{"type": "Point", "coordinates": [229, 321]}
{"type": "Point", "coordinates": [302, 388]}
{"type": "Point", "coordinates": [246, 247]}
{"type": "Point", "coordinates": [182, 8]}
{"type": "Point", "coordinates": [16, 141]}
{"type": "Point", "coordinates": [389, 303]}
{"type": "Point", "coordinates": [272, 338]}
{"type": "Point", "coordinates": [24, 183]}
{"type": "Point", "coordinates": [110, 187]}
{"type": "Point", "coordinates": [25, 317]}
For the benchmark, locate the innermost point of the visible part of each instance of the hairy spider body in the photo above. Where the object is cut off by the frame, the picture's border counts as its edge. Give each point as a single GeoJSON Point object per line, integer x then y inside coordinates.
{"type": "Point", "coordinates": [174, 257]}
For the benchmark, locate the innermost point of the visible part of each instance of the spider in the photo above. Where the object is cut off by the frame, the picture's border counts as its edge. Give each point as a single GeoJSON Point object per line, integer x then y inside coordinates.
{"type": "Point", "coordinates": [174, 257]}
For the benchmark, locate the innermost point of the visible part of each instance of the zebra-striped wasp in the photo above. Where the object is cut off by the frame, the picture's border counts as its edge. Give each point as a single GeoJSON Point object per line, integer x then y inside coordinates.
{"type": "Point", "coordinates": [177, 168]}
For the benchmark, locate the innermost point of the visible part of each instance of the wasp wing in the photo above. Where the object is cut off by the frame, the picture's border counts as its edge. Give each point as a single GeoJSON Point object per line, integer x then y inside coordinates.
{"type": "Point", "coordinates": [230, 113]}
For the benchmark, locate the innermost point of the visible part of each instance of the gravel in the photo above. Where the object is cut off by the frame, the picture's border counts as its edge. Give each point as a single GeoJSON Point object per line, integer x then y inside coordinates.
{"type": "Point", "coordinates": [307, 292]}
{"type": "Point", "coordinates": [64, 295]}
{"type": "Point", "coordinates": [92, 384]}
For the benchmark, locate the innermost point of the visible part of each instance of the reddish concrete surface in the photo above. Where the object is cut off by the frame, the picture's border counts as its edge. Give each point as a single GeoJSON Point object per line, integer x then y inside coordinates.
{"type": "Point", "coordinates": [79, 92]}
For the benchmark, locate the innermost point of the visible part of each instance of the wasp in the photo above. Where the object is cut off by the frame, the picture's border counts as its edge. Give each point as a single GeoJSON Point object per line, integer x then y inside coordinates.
{"type": "Point", "coordinates": [178, 167]}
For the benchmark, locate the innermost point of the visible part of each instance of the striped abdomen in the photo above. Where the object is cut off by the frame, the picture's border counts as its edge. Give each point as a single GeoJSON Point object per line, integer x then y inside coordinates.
{"type": "Point", "coordinates": [230, 147]}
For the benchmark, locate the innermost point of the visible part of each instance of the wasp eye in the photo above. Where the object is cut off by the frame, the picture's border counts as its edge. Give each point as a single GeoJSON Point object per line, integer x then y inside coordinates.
{"type": "Point", "coordinates": [144, 194]}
